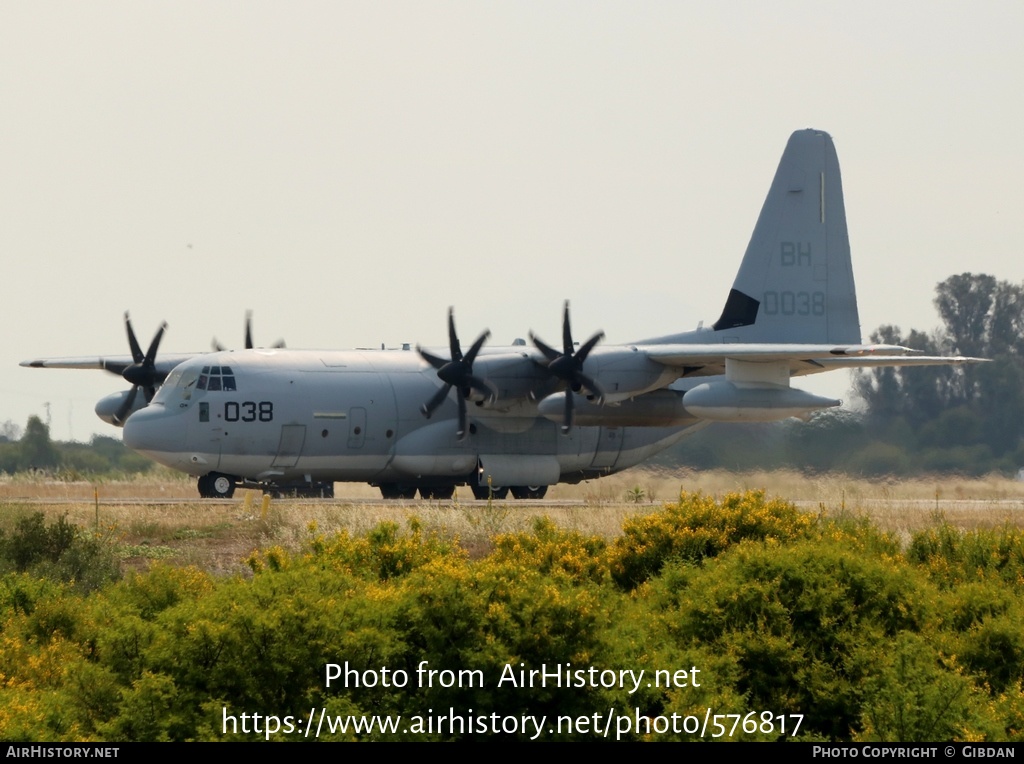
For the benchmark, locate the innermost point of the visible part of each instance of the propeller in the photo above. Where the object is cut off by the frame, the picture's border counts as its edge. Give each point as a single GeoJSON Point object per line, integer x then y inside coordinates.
{"type": "Point", "coordinates": [141, 373]}
{"type": "Point", "coordinates": [458, 373]}
{"type": "Point", "coordinates": [248, 336]}
{"type": "Point", "coordinates": [568, 366]}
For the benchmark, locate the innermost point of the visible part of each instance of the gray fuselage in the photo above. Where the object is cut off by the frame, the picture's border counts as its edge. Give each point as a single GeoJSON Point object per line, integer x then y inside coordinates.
{"type": "Point", "coordinates": [284, 415]}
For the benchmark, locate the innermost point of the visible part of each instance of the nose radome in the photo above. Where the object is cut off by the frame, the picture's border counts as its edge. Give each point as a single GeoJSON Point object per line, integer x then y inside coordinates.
{"type": "Point", "coordinates": [154, 430]}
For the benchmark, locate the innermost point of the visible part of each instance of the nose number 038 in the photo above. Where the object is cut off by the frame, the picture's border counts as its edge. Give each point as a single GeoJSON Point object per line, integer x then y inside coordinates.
{"type": "Point", "coordinates": [248, 411]}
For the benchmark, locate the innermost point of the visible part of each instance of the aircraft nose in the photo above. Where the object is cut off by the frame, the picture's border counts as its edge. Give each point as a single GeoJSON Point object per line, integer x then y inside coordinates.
{"type": "Point", "coordinates": [154, 430]}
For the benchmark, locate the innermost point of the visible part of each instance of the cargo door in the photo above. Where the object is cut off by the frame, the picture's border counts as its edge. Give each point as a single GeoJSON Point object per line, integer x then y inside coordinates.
{"type": "Point", "coordinates": [609, 443]}
{"type": "Point", "coordinates": [289, 449]}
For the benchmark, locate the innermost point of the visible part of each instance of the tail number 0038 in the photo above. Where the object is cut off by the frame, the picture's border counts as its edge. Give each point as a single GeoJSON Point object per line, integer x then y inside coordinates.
{"type": "Point", "coordinates": [794, 303]}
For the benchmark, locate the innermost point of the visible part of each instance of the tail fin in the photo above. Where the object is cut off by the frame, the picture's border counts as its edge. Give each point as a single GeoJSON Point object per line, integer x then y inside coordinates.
{"type": "Point", "coordinates": [796, 280]}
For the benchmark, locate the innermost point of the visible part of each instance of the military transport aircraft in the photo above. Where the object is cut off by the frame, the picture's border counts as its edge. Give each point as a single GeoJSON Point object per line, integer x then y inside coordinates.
{"type": "Point", "coordinates": [517, 418]}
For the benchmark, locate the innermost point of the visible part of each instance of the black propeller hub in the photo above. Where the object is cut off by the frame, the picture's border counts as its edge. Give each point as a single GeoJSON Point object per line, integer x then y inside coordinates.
{"type": "Point", "coordinates": [567, 366]}
{"type": "Point", "coordinates": [142, 373]}
{"type": "Point", "coordinates": [457, 372]}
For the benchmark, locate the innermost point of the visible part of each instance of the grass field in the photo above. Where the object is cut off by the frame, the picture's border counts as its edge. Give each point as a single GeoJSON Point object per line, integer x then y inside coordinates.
{"type": "Point", "coordinates": [161, 519]}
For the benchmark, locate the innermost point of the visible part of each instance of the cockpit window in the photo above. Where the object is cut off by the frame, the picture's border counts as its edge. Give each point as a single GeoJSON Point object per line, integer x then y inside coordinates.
{"type": "Point", "coordinates": [185, 381]}
{"type": "Point", "coordinates": [179, 382]}
{"type": "Point", "coordinates": [216, 378]}
{"type": "Point", "coordinates": [188, 382]}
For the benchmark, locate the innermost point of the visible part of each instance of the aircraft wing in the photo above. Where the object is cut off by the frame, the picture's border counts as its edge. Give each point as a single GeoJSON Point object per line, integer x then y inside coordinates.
{"type": "Point", "coordinates": [115, 364]}
{"type": "Point", "coordinates": [703, 360]}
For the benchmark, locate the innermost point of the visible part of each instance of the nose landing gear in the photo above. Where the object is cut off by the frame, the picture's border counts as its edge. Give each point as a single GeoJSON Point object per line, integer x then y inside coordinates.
{"type": "Point", "coordinates": [216, 485]}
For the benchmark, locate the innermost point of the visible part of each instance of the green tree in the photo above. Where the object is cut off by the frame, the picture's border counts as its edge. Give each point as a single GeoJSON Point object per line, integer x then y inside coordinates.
{"type": "Point", "coordinates": [965, 305]}
{"type": "Point", "coordinates": [37, 451]}
{"type": "Point", "coordinates": [968, 418]}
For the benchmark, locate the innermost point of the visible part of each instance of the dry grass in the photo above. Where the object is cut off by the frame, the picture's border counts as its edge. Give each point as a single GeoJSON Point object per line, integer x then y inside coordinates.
{"type": "Point", "coordinates": [162, 519]}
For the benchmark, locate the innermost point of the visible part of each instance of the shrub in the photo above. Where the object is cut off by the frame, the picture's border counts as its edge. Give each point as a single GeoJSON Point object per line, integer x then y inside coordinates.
{"type": "Point", "coordinates": [698, 527]}
{"type": "Point", "coordinates": [549, 548]}
{"type": "Point", "coordinates": [804, 623]}
{"type": "Point", "coordinates": [60, 551]}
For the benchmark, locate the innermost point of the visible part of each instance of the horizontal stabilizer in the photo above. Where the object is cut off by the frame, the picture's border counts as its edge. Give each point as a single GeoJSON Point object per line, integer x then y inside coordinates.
{"type": "Point", "coordinates": [691, 355]}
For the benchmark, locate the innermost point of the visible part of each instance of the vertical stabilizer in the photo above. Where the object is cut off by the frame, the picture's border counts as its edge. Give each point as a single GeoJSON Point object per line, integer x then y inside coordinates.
{"type": "Point", "coordinates": [796, 280]}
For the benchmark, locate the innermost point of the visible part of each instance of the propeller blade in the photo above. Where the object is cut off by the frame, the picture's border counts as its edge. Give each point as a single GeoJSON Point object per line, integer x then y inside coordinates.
{"type": "Point", "coordinates": [154, 346]}
{"type": "Point", "coordinates": [483, 386]}
{"type": "Point", "coordinates": [471, 355]}
{"type": "Point", "coordinates": [249, 342]}
{"type": "Point", "coordinates": [453, 339]}
{"type": "Point", "coordinates": [248, 330]}
{"type": "Point", "coordinates": [583, 352]}
{"type": "Point", "coordinates": [430, 358]}
{"type": "Point", "coordinates": [457, 372]}
{"type": "Point", "coordinates": [587, 383]}
{"type": "Point", "coordinates": [549, 352]}
{"type": "Point", "coordinates": [143, 372]}
{"type": "Point", "coordinates": [566, 331]}
{"type": "Point", "coordinates": [438, 398]}
{"type": "Point", "coordinates": [461, 432]}
{"type": "Point", "coordinates": [567, 366]}
{"type": "Point", "coordinates": [125, 408]}
{"type": "Point", "coordinates": [133, 343]}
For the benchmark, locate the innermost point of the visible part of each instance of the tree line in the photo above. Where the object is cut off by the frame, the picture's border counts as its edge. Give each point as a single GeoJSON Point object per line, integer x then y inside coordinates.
{"type": "Point", "coordinates": [34, 451]}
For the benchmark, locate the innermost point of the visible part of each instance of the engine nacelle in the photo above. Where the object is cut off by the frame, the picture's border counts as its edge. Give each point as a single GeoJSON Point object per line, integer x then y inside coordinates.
{"type": "Point", "coordinates": [111, 404]}
{"type": "Point", "coordinates": [661, 408]}
{"type": "Point", "coordinates": [724, 401]}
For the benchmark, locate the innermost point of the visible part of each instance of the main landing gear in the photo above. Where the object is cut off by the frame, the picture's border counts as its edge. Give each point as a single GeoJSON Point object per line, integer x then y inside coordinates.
{"type": "Point", "coordinates": [408, 492]}
{"type": "Point", "coordinates": [217, 485]}
{"type": "Point", "coordinates": [529, 491]}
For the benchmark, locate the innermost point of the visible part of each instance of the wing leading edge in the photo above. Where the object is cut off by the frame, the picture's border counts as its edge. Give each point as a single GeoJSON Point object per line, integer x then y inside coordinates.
{"type": "Point", "coordinates": [115, 364]}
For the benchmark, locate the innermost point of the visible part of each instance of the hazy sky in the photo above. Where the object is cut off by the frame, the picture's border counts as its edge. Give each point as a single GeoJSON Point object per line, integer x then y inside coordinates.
{"type": "Point", "coordinates": [349, 170]}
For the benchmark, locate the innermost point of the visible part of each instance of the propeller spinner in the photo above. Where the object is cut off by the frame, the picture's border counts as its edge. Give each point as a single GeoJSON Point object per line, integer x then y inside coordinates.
{"type": "Point", "coordinates": [142, 373]}
{"type": "Point", "coordinates": [568, 366]}
{"type": "Point", "coordinates": [458, 373]}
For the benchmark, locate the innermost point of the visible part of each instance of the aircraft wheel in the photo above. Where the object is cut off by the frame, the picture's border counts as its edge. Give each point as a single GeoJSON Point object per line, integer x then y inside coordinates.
{"type": "Point", "coordinates": [397, 491]}
{"type": "Point", "coordinates": [438, 492]}
{"type": "Point", "coordinates": [221, 486]}
{"type": "Point", "coordinates": [205, 491]}
{"type": "Point", "coordinates": [529, 491]}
